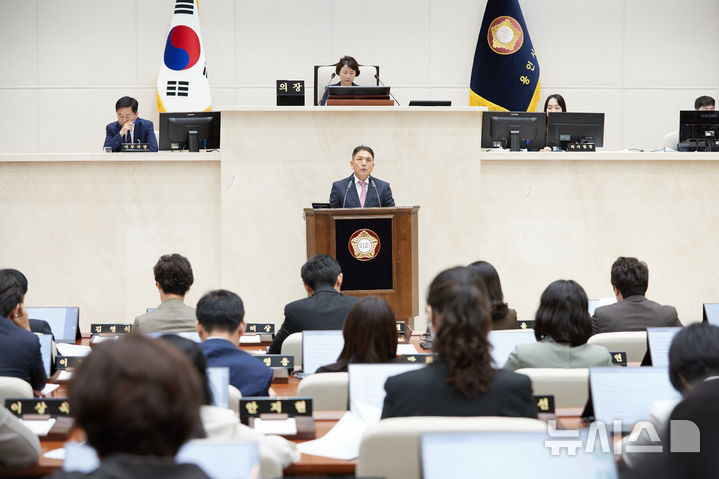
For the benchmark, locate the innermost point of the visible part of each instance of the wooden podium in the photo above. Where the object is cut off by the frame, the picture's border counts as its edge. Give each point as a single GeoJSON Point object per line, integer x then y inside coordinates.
{"type": "Point", "coordinates": [377, 249]}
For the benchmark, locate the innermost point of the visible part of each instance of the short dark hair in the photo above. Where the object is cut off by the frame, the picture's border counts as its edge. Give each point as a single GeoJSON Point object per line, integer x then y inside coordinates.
{"type": "Point", "coordinates": [10, 293]}
{"type": "Point", "coordinates": [220, 310]}
{"type": "Point", "coordinates": [193, 352]}
{"type": "Point", "coordinates": [174, 273]}
{"type": "Point", "coordinates": [693, 355]}
{"type": "Point", "coordinates": [21, 279]}
{"type": "Point", "coordinates": [136, 396]}
{"type": "Point", "coordinates": [350, 62]}
{"type": "Point", "coordinates": [703, 101]}
{"type": "Point", "coordinates": [563, 314]}
{"type": "Point", "coordinates": [630, 276]}
{"type": "Point", "coordinates": [359, 148]}
{"type": "Point", "coordinates": [320, 270]}
{"type": "Point", "coordinates": [560, 101]}
{"type": "Point", "coordinates": [126, 101]}
{"type": "Point", "coordinates": [494, 288]}
{"type": "Point", "coordinates": [369, 332]}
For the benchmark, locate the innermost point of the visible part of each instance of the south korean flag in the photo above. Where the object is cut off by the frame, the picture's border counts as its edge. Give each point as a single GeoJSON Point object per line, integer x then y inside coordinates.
{"type": "Point", "coordinates": [182, 83]}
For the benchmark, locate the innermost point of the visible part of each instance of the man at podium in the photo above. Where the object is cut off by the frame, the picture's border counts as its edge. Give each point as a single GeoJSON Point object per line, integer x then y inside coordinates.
{"type": "Point", "coordinates": [361, 190]}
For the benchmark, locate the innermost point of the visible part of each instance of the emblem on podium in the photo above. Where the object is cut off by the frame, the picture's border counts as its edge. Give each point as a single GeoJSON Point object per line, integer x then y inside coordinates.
{"type": "Point", "coordinates": [364, 245]}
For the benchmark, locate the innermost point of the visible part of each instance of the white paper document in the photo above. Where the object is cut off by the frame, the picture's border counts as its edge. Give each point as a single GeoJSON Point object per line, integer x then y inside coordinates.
{"type": "Point", "coordinates": [280, 427]}
{"type": "Point", "coordinates": [39, 427]}
{"type": "Point", "coordinates": [406, 349]}
{"type": "Point", "coordinates": [58, 454]}
{"type": "Point", "coordinates": [73, 350]}
{"type": "Point", "coordinates": [49, 388]}
{"type": "Point", "coordinates": [250, 339]}
{"type": "Point", "coordinates": [64, 376]}
{"type": "Point", "coordinates": [341, 442]}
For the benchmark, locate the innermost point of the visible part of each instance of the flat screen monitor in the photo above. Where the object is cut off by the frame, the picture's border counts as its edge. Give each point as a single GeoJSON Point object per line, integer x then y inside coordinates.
{"type": "Point", "coordinates": [592, 305]}
{"type": "Point", "coordinates": [660, 339]}
{"type": "Point", "coordinates": [699, 130]}
{"type": "Point", "coordinates": [430, 103]}
{"type": "Point", "coordinates": [320, 348]}
{"type": "Point", "coordinates": [513, 129]}
{"type": "Point", "coordinates": [366, 91]}
{"type": "Point", "coordinates": [190, 131]}
{"type": "Point", "coordinates": [366, 387]}
{"type": "Point", "coordinates": [46, 352]}
{"type": "Point", "coordinates": [63, 321]}
{"type": "Point", "coordinates": [570, 127]}
{"type": "Point", "coordinates": [218, 378]}
{"type": "Point", "coordinates": [503, 343]}
{"type": "Point", "coordinates": [711, 313]}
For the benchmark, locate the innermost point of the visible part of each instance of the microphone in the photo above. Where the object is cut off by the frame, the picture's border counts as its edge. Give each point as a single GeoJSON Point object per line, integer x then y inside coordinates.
{"type": "Point", "coordinates": [375, 190]}
{"type": "Point", "coordinates": [328, 84]}
{"type": "Point", "coordinates": [390, 92]}
{"type": "Point", "coordinates": [349, 183]}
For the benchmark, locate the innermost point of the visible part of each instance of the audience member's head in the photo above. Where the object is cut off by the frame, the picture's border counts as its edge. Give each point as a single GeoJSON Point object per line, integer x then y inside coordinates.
{"type": "Point", "coordinates": [494, 288]}
{"type": "Point", "coordinates": [222, 312]}
{"type": "Point", "coordinates": [693, 355]}
{"type": "Point", "coordinates": [555, 103]}
{"type": "Point", "coordinates": [369, 332]}
{"type": "Point", "coordinates": [11, 295]}
{"type": "Point", "coordinates": [704, 103]}
{"type": "Point", "coordinates": [630, 277]}
{"type": "Point", "coordinates": [321, 271]}
{"type": "Point", "coordinates": [173, 274]}
{"type": "Point", "coordinates": [136, 396]}
{"type": "Point", "coordinates": [21, 279]}
{"type": "Point", "coordinates": [194, 354]}
{"type": "Point", "coordinates": [459, 312]}
{"type": "Point", "coordinates": [563, 314]}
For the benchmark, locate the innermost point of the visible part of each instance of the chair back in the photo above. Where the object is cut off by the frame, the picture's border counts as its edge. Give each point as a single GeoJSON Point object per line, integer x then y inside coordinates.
{"type": "Point", "coordinates": [569, 386]}
{"type": "Point", "coordinates": [329, 391]}
{"type": "Point", "coordinates": [390, 449]}
{"type": "Point", "coordinates": [634, 343]}
{"type": "Point", "coordinates": [234, 398]}
{"type": "Point", "coordinates": [292, 345]}
{"type": "Point", "coordinates": [14, 388]}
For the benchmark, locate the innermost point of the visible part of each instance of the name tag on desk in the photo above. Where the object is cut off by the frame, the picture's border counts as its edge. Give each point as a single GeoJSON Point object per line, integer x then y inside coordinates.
{"type": "Point", "coordinates": [525, 324]}
{"type": "Point", "coordinates": [110, 328]}
{"type": "Point", "coordinates": [126, 147]}
{"type": "Point", "coordinates": [260, 328]}
{"type": "Point", "coordinates": [66, 362]}
{"type": "Point", "coordinates": [278, 360]}
{"type": "Point", "coordinates": [619, 358]}
{"type": "Point", "coordinates": [42, 406]}
{"type": "Point", "coordinates": [420, 358]}
{"type": "Point", "coordinates": [545, 404]}
{"type": "Point", "coordinates": [252, 407]}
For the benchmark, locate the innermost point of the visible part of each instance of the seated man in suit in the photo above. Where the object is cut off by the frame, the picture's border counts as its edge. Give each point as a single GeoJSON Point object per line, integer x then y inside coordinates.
{"type": "Point", "coordinates": [220, 323]}
{"type": "Point", "coordinates": [324, 308]}
{"type": "Point", "coordinates": [173, 278]}
{"type": "Point", "coordinates": [129, 128]}
{"type": "Point", "coordinates": [19, 348]}
{"type": "Point", "coordinates": [368, 191]}
{"type": "Point", "coordinates": [632, 311]}
{"type": "Point", "coordinates": [36, 325]}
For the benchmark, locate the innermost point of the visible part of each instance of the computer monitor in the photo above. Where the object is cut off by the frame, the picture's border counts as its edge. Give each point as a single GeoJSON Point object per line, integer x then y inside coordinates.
{"type": "Point", "coordinates": [659, 341]}
{"type": "Point", "coordinates": [358, 91]}
{"type": "Point", "coordinates": [699, 130]}
{"type": "Point", "coordinates": [63, 321]}
{"type": "Point", "coordinates": [320, 348]}
{"type": "Point", "coordinates": [504, 341]}
{"type": "Point", "coordinates": [190, 131]}
{"type": "Point", "coordinates": [571, 127]}
{"type": "Point", "coordinates": [711, 313]}
{"type": "Point", "coordinates": [513, 130]}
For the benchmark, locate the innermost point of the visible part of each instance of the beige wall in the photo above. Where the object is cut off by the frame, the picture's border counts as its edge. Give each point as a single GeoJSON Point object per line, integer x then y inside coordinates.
{"type": "Point", "coordinates": [65, 63]}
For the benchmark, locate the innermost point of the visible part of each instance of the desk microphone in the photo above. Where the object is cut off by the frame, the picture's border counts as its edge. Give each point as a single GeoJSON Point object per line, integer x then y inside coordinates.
{"type": "Point", "coordinates": [375, 190]}
{"type": "Point", "coordinates": [349, 183]}
{"type": "Point", "coordinates": [390, 92]}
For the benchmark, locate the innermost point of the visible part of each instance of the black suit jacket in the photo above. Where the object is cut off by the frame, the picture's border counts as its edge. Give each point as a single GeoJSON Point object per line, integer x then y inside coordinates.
{"type": "Point", "coordinates": [379, 194]}
{"type": "Point", "coordinates": [634, 313]}
{"type": "Point", "coordinates": [325, 309]}
{"type": "Point", "coordinates": [20, 354]}
{"type": "Point", "coordinates": [425, 392]}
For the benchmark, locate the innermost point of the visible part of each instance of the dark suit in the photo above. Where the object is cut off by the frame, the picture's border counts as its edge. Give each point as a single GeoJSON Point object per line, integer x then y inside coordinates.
{"type": "Point", "coordinates": [425, 392]}
{"type": "Point", "coordinates": [325, 309]}
{"type": "Point", "coordinates": [20, 354]}
{"type": "Point", "coordinates": [379, 194]}
{"type": "Point", "coordinates": [144, 133]}
{"type": "Point", "coordinates": [634, 313]}
{"type": "Point", "coordinates": [247, 373]}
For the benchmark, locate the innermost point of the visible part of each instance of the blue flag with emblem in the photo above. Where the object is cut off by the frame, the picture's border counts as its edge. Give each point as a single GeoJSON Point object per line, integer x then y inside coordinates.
{"type": "Point", "coordinates": [505, 73]}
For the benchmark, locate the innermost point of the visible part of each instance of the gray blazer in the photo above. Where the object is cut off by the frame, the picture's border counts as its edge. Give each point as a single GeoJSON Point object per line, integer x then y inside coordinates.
{"type": "Point", "coordinates": [634, 313]}
{"type": "Point", "coordinates": [170, 316]}
{"type": "Point", "coordinates": [549, 354]}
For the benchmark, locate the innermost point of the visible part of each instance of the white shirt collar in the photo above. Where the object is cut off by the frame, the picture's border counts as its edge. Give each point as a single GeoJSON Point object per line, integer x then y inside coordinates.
{"type": "Point", "coordinates": [357, 180]}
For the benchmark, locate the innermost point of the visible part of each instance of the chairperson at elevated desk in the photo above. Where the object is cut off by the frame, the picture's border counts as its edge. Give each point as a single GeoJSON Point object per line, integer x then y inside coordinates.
{"type": "Point", "coordinates": [361, 190]}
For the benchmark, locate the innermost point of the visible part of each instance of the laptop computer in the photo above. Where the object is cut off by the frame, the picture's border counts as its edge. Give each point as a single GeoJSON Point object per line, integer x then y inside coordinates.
{"type": "Point", "coordinates": [504, 341]}
{"type": "Point", "coordinates": [63, 321]}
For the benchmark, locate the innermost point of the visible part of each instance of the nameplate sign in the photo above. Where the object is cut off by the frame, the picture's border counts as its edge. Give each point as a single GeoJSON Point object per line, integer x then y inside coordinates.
{"type": "Point", "coordinates": [619, 358]}
{"type": "Point", "coordinates": [252, 407]}
{"type": "Point", "coordinates": [403, 332]}
{"type": "Point", "coordinates": [42, 406]}
{"type": "Point", "coordinates": [420, 358]}
{"type": "Point", "coordinates": [260, 328]}
{"type": "Point", "coordinates": [110, 328]}
{"type": "Point", "coordinates": [525, 324]}
{"type": "Point", "coordinates": [278, 360]}
{"type": "Point", "coordinates": [545, 404]}
{"type": "Point", "coordinates": [126, 147]}
{"type": "Point", "coordinates": [65, 362]}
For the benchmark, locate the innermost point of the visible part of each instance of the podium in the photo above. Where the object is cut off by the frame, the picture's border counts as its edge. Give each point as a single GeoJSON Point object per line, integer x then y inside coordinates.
{"type": "Point", "coordinates": [376, 248]}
